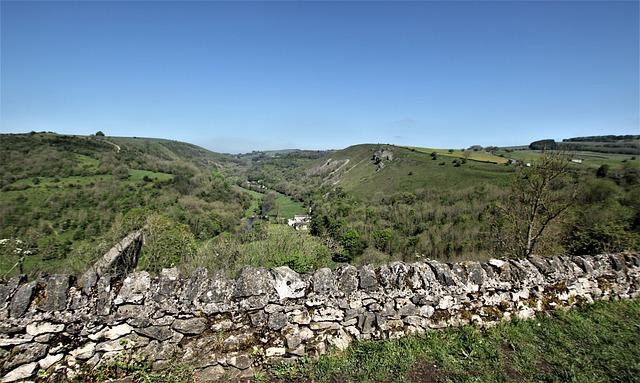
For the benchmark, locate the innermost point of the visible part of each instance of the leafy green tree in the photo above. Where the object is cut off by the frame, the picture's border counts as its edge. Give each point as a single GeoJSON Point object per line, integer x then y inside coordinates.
{"type": "Point", "coordinates": [166, 243]}
{"type": "Point", "coordinates": [538, 197]}
{"type": "Point", "coordinates": [352, 246]}
{"type": "Point", "coordinates": [603, 238]}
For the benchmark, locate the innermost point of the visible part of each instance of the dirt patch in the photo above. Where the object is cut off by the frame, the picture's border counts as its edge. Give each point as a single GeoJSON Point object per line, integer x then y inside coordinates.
{"type": "Point", "coordinates": [509, 371]}
{"type": "Point", "coordinates": [424, 371]}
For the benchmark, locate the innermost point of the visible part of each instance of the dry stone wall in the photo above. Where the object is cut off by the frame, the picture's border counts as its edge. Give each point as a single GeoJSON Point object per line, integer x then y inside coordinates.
{"type": "Point", "coordinates": [224, 326]}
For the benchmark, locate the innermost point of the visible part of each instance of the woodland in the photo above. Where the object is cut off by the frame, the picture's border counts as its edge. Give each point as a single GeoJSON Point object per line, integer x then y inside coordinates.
{"type": "Point", "coordinates": [65, 200]}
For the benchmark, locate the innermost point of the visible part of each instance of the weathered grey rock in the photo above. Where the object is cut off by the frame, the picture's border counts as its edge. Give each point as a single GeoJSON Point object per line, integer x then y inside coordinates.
{"type": "Point", "coordinates": [38, 328]}
{"type": "Point", "coordinates": [21, 299]}
{"type": "Point", "coordinates": [366, 322]}
{"type": "Point", "coordinates": [277, 321]}
{"type": "Point", "coordinates": [300, 316]}
{"type": "Point", "coordinates": [168, 282]}
{"type": "Point", "coordinates": [156, 350]}
{"type": "Point", "coordinates": [87, 351]}
{"type": "Point", "coordinates": [347, 279]}
{"type": "Point", "coordinates": [458, 271]}
{"type": "Point", "coordinates": [25, 353]}
{"type": "Point", "coordinates": [288, 283]}
{"type": "Point", "coordinates": [218, 290]}
{"type": "Point", "coordinates": [293, 341]}
{"type": "Point", "coordinates": [328, 314]}
{"type": "Point", "coordinates": [213, 374]}
{"type": "Point", "coordinates": [7, 289]}
{"type": "Point", "coordinates": [323, 281]}
{"type": "Point", "coordinates": [241, 362]}
{"type": "Point", "coordinates": [583, 264]}
{"type": "Point", "coordinates": [130, 341]}
{"type": "Point", "coordinates": [23, 372]}
{"type": "Point", "coordinates": [617, 262]}
{"type": "Point", "coordinates": [112, 333]}
{"type": "Point", "coordinates": [475, 273]}
{"type": "Point", "coordinates": [368, 279]}
{"type": "Point", "coordinates": [103, 301]}
{"type": "Point", "coordinates": [89, 280]}
{"type": "Point", "coordinates": [201, 352]}
{"type": "Point", "coordinates": [49, 361]}
{"type": "Point", "coordinates": [253, 281]}
{"type": "Point", "coordinates": [160, 333]}
{"type": "Point", "coordinates": [135, 288]}
{"type": "Point", "coordinates": [195, 285]}
{"type": "Point", "coordinates": [275, 351]}
{"type": "Point", "coordinates": [442, 272]}
{"type": "Point", "coordinates": [405, 307]}
{"type": "Point", "coordinates": [192, 326]}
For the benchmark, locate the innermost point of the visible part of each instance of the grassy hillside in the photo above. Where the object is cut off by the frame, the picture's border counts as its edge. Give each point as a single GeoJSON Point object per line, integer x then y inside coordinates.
{"type": "Point", "coordinates": [387, 203]}
{"type": "Point", "coordinates": [66, 199]}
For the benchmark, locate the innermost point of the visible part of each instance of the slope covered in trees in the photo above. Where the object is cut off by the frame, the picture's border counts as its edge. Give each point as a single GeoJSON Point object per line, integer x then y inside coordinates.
{"type": "Point", "coordinates": [68, 199]}
{"type": "Point", "coordinates": [65, 200]}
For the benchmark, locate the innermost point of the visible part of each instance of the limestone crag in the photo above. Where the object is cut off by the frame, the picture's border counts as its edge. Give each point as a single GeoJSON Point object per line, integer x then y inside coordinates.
{"type": "Point", "coordinates": [220, 326]}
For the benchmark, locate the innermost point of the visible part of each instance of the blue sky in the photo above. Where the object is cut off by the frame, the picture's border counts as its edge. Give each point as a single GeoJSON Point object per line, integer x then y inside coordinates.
{"type": "Point", "coordinates": [240, 76]}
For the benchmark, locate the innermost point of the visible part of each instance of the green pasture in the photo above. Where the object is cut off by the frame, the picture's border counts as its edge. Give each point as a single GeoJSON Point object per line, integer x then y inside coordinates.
{"type": "Point", "coordinates": [468, 154]}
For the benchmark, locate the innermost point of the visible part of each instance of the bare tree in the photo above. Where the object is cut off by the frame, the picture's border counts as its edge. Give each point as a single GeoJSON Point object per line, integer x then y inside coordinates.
{"type": "Point", "coordinates": [539, 195]}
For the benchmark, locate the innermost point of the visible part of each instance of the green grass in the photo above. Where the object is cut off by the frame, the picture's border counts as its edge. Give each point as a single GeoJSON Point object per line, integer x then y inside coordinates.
{"type": "Point", "coordinates": [471, 155]}
{"type": "Point", "coordinates": [595, 344]}
{"type": "Point", "coordinates": [289, 207]}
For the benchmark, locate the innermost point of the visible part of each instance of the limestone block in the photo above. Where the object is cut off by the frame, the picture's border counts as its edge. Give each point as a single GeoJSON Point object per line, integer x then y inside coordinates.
{"type": "Point", "coordinates": [324, 314]}
{"type": "Point", "coordinates": [113, 332]}
{"type": "Point", "coordinates": [21, 300]}
{"type": "Point", "coordinates": [275, 351]}
{"type": "Point", "coordinates": [156, 350]}
{"type": "Point", "coordinates": [442, 273]}
{"type": "Point", "coordinates": [193, 287]}
{"type": "Point", "coordinates": [323, 281]}
{"type": "Point", "coordinates": [38, 328]}
{"type": "Point", "coordinates": [134, 288]}
{"type": "Point", "coordinates": [288, 283]}
{"type": "Point", "coordinates": [405, 307]}
{"type": "Point", "coordinates": [9, 288]}
{"type": "Point", "coordinates": [160, 333]}
{"type": "Point", "coordinates": [192, 326]}
{"type": "Point", "coordinates": [85, 352]}
{"type": "Point", "coordinates": [293, 341]}
{"type": "Point", "coordinates": [168, 282]}
{"type": "Point", "coordinates": [23, 372]}
{"type": "Point", "coordinates": [241, 361]}
{"type": "Point", "coordinates": [277, 320]}
{"type": "Point", "coordinates": [347, 279]}
{"type": "Point", "coordinates": [213, 374]}
{"type": "Point", "coordinates": [340, 340]}
{"type": "Point", "coordinates": [25, 353]}
{"type": "Point", "coordinates": [56, 293]}
{"type": "Point", "coordinates": [218, 290]}
{"type": "Point", "coordinates": [49, 361]}
{"type": "Point", "coordinates": [366, 322]}
{"type": "Point", "coordinates": [253, 281]}
{"type": "Point", "coordinates": [322, 326]}
{"type": "Point", "coordinates": [368, 279]}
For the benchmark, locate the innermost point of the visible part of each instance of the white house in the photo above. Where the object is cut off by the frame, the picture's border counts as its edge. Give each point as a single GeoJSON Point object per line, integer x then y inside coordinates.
{"type": "Point", "coordinates": [299, 222]}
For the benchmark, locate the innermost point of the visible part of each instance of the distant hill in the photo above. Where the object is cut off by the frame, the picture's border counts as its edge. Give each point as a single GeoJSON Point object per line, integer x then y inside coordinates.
{"type": "Point", "coordinates": [627, 144]}
{"type": "Point", "coordinates": [69, 198]}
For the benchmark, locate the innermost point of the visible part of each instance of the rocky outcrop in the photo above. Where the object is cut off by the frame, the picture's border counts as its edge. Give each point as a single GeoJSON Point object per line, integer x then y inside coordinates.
{"type": "Point", "coordinates": [222, 326]}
